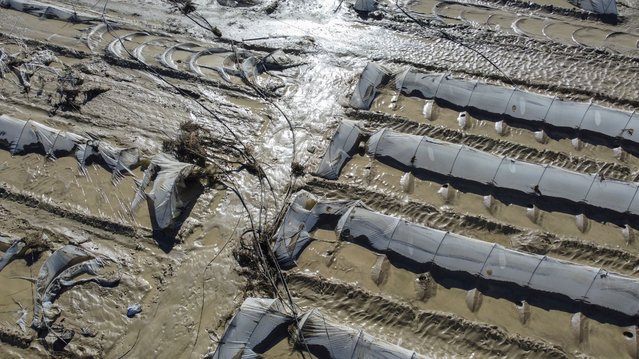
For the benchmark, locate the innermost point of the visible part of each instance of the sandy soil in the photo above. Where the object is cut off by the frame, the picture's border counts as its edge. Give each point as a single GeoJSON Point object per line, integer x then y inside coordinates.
{"type": "Point", "coordinates": [159, 69]}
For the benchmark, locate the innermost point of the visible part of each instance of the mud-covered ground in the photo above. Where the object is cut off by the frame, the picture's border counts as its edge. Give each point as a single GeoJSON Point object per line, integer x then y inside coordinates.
{"type": "Point", "coordinates": [154, 68]}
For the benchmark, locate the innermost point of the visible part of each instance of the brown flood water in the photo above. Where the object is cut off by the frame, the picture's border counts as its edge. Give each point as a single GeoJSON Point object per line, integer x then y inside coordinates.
{"type": "Point", "coordinates": [189, 294]}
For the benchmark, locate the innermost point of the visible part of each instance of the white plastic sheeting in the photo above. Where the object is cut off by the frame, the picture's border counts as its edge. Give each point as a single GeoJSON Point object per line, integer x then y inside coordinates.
{"type": "Point", "coordinates": [604, 7]}
{"type": "Point", "coordinates": [57, 273]}
{"type": "Point", "coordinates": [523, 276]}
{"type": "Point", "coordinates": [342, 147]}
{"type": "Point", "coordinates": [302, 216]}
{"type": "Point", "coordinates": [559, 118]}
{"type": "Point", "coordinates": [60, 260]}
{"type": "Point", "coordinates": [477, 170]}
{"type": "Point", "coordinates": [325, 339]}
{"type": "Point", "coordinates": [166, 200]}
{"type": "Point", "coordinates": [259, 325]}
{"type": "Point", "coordinates": [22, 137]}
{"type": "Point", "coordinates": [365, 5]}
{"type": "Point", "coordinates": [45, 10]}
{"type": "Point", "coordinates": [366, 89]}
{"type": "Point", "coordinates": [262, 323]}
{"type": "Point", "coordinates": [14, 249]}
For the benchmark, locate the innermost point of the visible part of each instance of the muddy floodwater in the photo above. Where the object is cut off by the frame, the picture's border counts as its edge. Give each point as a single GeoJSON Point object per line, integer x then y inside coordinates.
{"type": "Point", "coordinates": [182, 179]}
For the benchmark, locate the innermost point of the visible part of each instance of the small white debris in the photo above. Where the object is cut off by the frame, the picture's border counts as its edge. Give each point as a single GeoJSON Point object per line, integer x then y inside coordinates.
{"type": "Point", "coordinates": [619, 153]}
{"type": "Point", "coordinates": [577, 144]}
{"type": "Point", "coordinates": [533, 214]}
{"type": "Point", "coordinates": [462, 120]}
{"type": "Point", "coordinates": [628, 234]}
{"type": "Point", "coordinates": [541, 137]}
{"type": "Point", "coordinates": [474, 299]}
{"type": "Point", "coordinates": [489, 203]}
{"type": "Point", "coordinates": [428, 110]}
{"type": "Point", "coordinates": [579, 326]}
{"type": "Point", "coordinates": [446, 193]}
{"type": "Point", "coordinates": [501, 128]}
{"type": "Point", "coordinates": [407, 182]}
{"type": "Point", "coordinates": [583, 224]}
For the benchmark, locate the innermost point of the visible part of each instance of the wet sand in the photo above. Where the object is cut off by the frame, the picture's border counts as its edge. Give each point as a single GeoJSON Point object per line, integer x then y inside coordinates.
{"type": "Point", "coordinates": [187, 300]}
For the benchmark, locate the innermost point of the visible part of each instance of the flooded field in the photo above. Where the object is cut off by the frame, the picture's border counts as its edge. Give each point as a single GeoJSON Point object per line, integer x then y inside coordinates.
{"type": "Point", "coordinates": [332, 179]}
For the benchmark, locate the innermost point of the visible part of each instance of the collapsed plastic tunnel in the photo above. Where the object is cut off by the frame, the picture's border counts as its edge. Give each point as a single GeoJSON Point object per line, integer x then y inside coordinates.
{"type": "Point", "coordinates": [175, 190]}
{"type": "Point", "coordinates": [558, 118]}
{"type": "Point", "coordinates": [462, 262]}
{"type": "Point", "coordinates": [22, 137]}
{"type": "Point", "coordinates": [45, 10]}
{"type": "Point", "coordinates": [262, 323]}
{"type": "Point", "coordinates": [511, 181]}
{"type": "Point", "coordinates": [175, 186]}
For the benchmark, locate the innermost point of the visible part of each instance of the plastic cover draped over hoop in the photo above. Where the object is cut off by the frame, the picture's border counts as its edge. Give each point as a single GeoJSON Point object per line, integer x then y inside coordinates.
{"type": "Point", "coordinates": [419, 249]}
{"type": "Point", "coordinates": [366, 89]}
{"type": "Point", "coordinates": [498, 102]}
{"type": "Point", "coordinates": [303, 216]}
{"type": "Point", "coordinates": [37, 8]}
{"type": "Point", "coordinates": [22, 137]}
{"type": "Point", "coordinates": [326, 339]}
{"type": "Point", "coordinates": [421, 154]}
{"type": "Point", "coordinates": [340, 150]}
{"type": "Point", "coordinates": [262, 323]}
{"type": "Point", "coordinates": [259, 325]}
{"type": "Point", "coordinates": [605, 7]}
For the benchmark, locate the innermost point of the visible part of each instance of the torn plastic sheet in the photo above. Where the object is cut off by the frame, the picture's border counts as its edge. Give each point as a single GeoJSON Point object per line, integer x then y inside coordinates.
{"type": "Point", "coordinates": [65, 279]}
{"type": "Point", "coordinates": [57, 273]}
{"type": "Point", "coordinates": [302, 217]}
{"type": "Point", "coordinates": [365, 6]}
{"type": "Point", "coordinates": [325, 339]}
{"type": "Point", "coordinates": [262, 323]}
{"type": "Point", "coordinates": [471, 263]}
{"type": "Point", "coordinates": [342, 147]}
{"type": "Point", "coordinates": [510, 180]}
{"type": "Point", "coordinates": [559, 118]}
{"type": "Point", "coordinates": [22, 137]}
{"type": "Point", "coordinates": [604, 7]}
{"type": "Point", "coordinates": [259, 325]}
{"type": "Point", "coordinates": [24, 67]}
{"type": "Point", "coordinates": [167, 198]}
{"type": "Point", "coordinates": [366, 89]}
{"type": "Point", "coordinates": [14, 250]}
{"type": "Point", "coordinates": [37, 8]}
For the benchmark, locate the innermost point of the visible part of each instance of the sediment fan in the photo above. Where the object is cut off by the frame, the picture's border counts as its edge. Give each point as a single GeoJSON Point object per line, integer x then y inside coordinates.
{"type": "Point", "coordinates": [461, 261]}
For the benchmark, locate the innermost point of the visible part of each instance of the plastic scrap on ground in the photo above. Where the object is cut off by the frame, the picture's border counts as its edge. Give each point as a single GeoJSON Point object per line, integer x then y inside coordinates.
{"type": "Point", "coordinates": [167, 197]}
{"type": "Point", "coordinates": [56, 274]}
{"type": "Point", "coordinates": [133, 310]}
